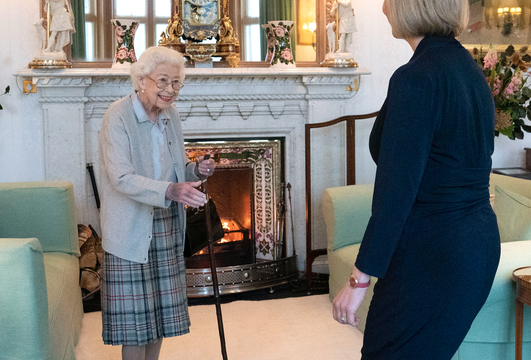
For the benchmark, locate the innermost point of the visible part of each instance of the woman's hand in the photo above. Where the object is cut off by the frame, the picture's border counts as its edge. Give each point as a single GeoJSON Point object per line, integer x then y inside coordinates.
{"type": "Point", "coordinates": [205, 167]}
{"type": "Point", "coordinates": [346, 303]}
{"type": "Point", "coordinates": [186, 193]}
{"type": "Point", "coordinates": [348, 300]}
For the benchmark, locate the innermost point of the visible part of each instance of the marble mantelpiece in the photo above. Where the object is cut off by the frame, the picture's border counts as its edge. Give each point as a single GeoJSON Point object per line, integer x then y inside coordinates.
{"type": "Point", "coordinates": [214, 104]}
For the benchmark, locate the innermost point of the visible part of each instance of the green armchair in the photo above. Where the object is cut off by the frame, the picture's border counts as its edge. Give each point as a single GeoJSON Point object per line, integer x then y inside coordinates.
{"type": "Point", "coordinates": [41, 310]}
{"type": "Point", "coordinates": [347, 211]}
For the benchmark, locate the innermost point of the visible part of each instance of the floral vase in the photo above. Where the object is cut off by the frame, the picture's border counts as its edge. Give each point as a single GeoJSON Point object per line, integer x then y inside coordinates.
{"type": "Point", "coordinates": [270, 42]}
{"type": "Point", "coordinates": [125, 30]}
{"type": "Point", "coordinates": [279, 39]}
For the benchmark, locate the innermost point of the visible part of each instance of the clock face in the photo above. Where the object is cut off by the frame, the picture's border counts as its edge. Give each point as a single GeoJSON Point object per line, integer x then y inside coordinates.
{"type": "Point", "coordinates": [200, 19]}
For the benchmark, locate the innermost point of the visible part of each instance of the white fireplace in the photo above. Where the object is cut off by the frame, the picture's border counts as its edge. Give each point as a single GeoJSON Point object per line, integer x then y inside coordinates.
{"type": "Point", "coordinates": [214, 104]}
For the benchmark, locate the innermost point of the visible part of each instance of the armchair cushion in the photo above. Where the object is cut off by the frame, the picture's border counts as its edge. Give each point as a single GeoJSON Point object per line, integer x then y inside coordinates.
{"type": "Point", "coordinates": [513, 212]}
{"type": "Point", "coordinates": [65, 313]}
{"type": "Point", "coordinates": [345, 222]}
{"type": "Point", "coordinates": [44, 210]}
{"type": "Point", "coordinates": [495, 322]}
{"type": "Point", "coordinates": [23, 300]}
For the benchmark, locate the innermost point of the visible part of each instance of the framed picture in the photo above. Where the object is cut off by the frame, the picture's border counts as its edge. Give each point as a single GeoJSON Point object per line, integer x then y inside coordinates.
{"type": "Point", "coordinates": [497, 22]}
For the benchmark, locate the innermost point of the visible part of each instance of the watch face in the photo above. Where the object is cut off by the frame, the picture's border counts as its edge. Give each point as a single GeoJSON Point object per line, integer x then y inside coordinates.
{"type": "Point", "coordinates": [353, 282]}
{"type": "Point", "coordinates": [200, 19]}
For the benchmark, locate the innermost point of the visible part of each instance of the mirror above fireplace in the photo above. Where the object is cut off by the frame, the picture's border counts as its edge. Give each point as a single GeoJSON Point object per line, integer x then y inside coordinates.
{"type": "Point", "coordinates": [93, 41]}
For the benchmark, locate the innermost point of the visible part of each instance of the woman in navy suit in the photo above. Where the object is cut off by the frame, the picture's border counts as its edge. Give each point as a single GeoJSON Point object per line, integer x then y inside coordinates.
{"type": "Point", "coordinates": [432, 240]}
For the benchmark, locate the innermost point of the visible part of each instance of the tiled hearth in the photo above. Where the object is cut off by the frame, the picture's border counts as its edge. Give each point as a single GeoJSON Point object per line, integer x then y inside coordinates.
{"type": "Point", "coordinates": [219, 103]}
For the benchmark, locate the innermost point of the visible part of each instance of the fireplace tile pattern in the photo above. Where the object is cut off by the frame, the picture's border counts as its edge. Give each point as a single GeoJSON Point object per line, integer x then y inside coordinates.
{"type": "Point", "coordinates": [265, 159]}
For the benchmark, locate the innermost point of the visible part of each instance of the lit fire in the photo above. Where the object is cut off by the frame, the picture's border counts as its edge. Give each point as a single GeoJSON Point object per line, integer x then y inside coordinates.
{"type": "Point", "coordinates": [228, 226]}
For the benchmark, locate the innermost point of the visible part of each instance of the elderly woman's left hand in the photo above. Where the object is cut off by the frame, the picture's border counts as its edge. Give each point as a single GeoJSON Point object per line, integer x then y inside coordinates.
{"type": "Point", "coordinates": [205, 167]}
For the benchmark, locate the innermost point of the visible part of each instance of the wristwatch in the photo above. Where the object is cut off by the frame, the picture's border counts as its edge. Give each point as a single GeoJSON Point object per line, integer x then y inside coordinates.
{"type": "Point", "coordinates": [353, 283]}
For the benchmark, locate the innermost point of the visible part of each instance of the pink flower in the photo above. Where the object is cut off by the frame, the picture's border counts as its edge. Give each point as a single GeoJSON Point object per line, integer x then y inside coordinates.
{"type": "Point", "coordinates": [133, 29]}
{"type": "Point", "coordinates": [286, 54]}
{"type": "Point", "coordinates": [490, 59]}
{"type": "Point", "coordinates": [496, 87]}
{"type": "Point", "coordinates": [120, 31]}
{"type": "Point", "coordinates": [271, 42]}
{"type": "Point", "coordinates": [122, 53]}
{"type": "Point", "coordinates": [514, 85]}
{"type": "Point", "coordinates": [280, 31]}
{"type": "Point", "coordinates": [132, 55]}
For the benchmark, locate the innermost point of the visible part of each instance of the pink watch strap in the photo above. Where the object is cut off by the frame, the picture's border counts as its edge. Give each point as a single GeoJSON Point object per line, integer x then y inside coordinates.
{"type": "Point", "coordinates": [353, 283]}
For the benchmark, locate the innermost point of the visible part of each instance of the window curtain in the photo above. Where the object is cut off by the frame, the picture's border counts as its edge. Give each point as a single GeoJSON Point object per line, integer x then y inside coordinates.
{"type": "Point", "coordinates": [272, 10]}
{"type": "Point", "coordinates": [78, 38]}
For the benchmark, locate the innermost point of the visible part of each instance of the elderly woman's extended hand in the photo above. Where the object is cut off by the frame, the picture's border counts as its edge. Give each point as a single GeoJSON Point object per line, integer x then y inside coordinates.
{"type": "Point", "coordinates": [205, 167]}
{"type": "Point", "coordinates": [186, 193]}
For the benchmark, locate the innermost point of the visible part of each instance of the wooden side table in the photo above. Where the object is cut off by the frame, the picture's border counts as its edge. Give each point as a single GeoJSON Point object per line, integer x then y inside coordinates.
{"type": "Point", "coordinates": [522, 278]}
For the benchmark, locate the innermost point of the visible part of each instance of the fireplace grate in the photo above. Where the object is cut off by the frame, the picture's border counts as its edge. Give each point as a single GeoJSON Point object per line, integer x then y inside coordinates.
{"type": "Point", "coordinates": [235, 279]}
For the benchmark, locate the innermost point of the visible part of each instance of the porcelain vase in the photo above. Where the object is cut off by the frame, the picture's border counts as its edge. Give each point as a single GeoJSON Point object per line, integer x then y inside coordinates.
{"type": "Point", "coordinates": [279, 42]}
{"type": "Point", "coordinates": [125, 30]}
{"type": "Point", "coordinates": [270, 43]}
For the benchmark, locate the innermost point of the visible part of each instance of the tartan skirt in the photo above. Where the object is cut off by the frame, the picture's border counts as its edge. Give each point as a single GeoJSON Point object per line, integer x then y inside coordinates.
{"type": "Point", "coordinates": [145, 302]}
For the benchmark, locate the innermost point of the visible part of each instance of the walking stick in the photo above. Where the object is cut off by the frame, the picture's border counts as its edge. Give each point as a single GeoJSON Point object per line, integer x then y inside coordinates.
{"type": "Point", "coordinates": [213, 272]}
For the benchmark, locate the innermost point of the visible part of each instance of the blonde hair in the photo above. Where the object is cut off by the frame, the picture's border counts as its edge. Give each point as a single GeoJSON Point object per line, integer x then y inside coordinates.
{"type": "Point", "coordinates": [413, 18]}
{"type": "Point", "coordinates": [151, 58]}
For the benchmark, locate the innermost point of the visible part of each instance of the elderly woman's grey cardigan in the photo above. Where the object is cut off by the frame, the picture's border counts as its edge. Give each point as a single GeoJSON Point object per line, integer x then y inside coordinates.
{"type": "Point", "coordinates": [126, 174]}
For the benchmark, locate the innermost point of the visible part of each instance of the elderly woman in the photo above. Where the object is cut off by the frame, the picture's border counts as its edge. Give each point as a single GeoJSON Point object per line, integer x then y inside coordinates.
{"type": "Point", "coordinates": [146, 181]}
{"type": "Point", "coordinates": [432, 240]}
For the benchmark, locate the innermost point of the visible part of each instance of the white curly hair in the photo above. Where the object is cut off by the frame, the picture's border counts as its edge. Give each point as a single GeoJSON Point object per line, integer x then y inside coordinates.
{"type": "Point", "coordinates": [151, 58]}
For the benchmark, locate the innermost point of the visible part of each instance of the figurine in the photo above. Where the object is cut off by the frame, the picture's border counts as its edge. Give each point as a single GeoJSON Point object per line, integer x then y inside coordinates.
{"type": "Point", "coordinates": [347, 23]}
{"type": "Point", "coordinates": [62, 24]}
{"type": "Point", "coordinates": [344, 25]}
{"type": "Point", "coordinates": [331, 36]}
{"type": "Point", "coordinates": [41, 32]}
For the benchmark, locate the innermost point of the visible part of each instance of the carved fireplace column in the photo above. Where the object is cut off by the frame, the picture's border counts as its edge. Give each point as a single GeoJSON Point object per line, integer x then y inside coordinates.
{"type": "Point", "coordinates": [63, 103]}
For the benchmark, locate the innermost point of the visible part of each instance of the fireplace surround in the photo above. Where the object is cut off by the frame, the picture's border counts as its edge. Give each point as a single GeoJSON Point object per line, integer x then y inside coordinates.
{"type": "Point", "coordinates": [219, 103]}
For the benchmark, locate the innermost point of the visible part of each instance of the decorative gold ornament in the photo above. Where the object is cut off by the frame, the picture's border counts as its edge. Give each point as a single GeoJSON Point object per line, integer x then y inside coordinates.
{"type": "Point", "coordinates": [172, 37]}
{"type": "Point", "coordinates": [199, 20]}
{"type": "Point", "coordinates": [200, 52]}
{"type": "Point", "coordinates": [50, 64]}
{"type": "Point", "coordinates": [339, 63]}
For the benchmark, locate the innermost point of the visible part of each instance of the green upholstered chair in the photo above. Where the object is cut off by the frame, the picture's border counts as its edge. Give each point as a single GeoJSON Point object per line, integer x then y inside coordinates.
{"type": "Point", "coordinates": [41, 310]}
{"type": "Point", "coordinates": [347, 210]}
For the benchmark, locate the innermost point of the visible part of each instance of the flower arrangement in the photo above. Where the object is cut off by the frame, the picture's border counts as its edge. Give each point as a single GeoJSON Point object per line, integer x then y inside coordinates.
{"type": "Point", "coordinates": [507, 78]}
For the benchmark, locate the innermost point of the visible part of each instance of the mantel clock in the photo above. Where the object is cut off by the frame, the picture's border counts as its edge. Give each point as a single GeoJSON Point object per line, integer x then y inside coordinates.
{"type": "Point", "coordinates": [198, 20]}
